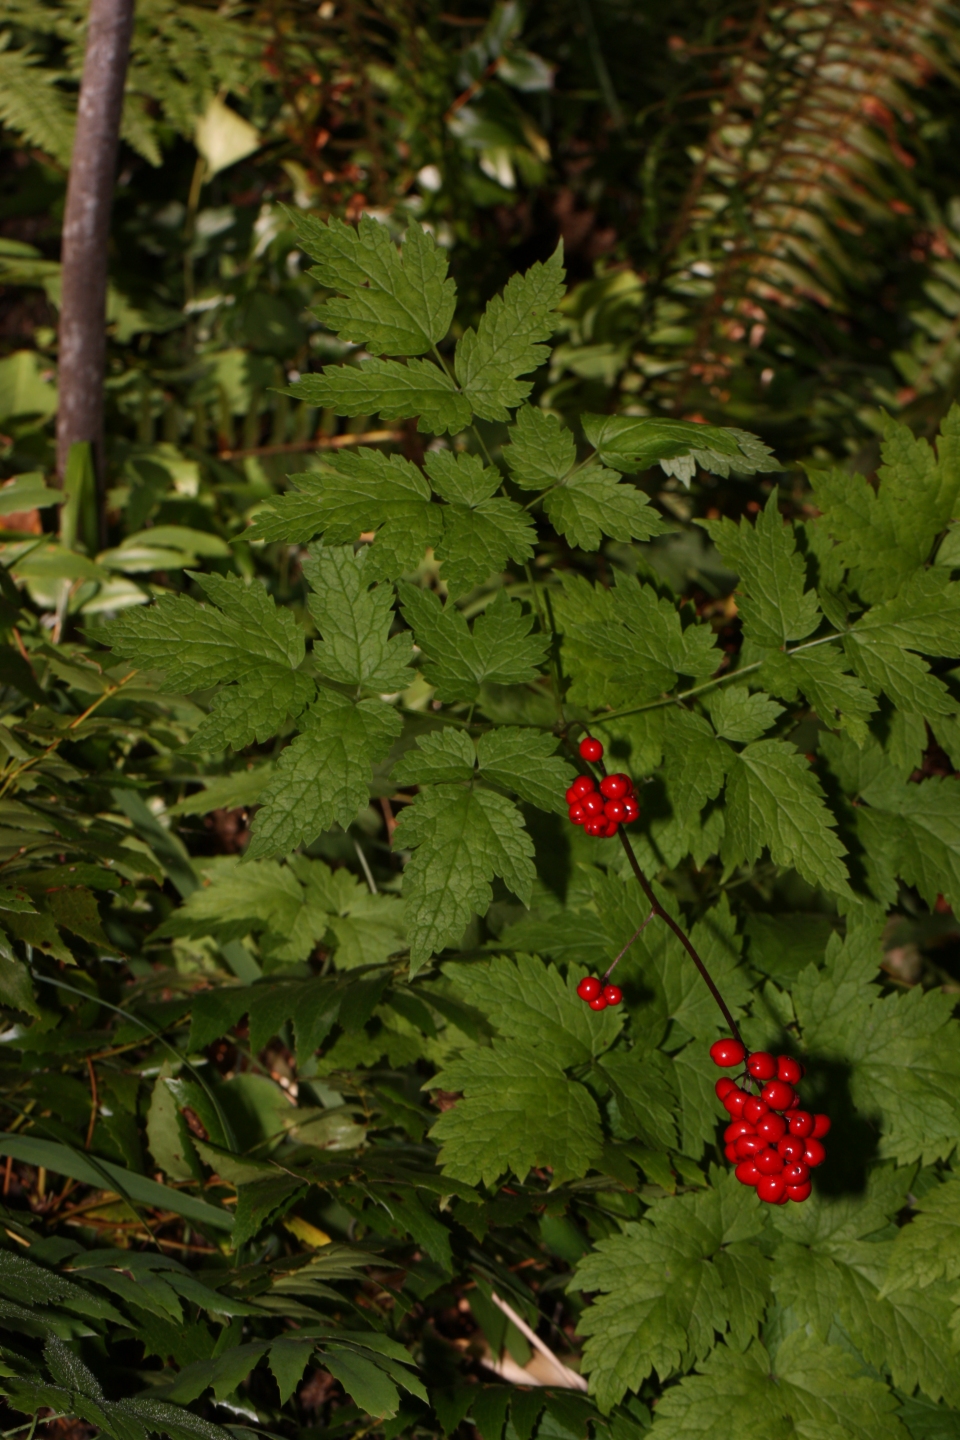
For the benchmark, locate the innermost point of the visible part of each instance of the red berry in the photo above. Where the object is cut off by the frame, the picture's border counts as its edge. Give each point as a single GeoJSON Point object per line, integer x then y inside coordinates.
{"type": "Point", "coordinates": [591, 749]}
{"type": "Point", "coordinates": [789, 1069]}
{"type": "Point", "coordinates": [754, 1110]}
{"type": "Point", "coordinates": [735, 1129]}
{"type": "Point", "coordinates": [772, 1128]}
{"type": "Point", "coordinates": [616, 786]}
{"type": "Point", "coordinates": [734, 1102]}
{"type": "Point", "coordinates": [771, 1188]}
{"type": "Point", "coordinates": [727, 1052]}
{"type": "Point", "coordinates": [749, 1145]}
{"type": "Point", "coordinates": [596, 826]}
{"type": "Point", "coordinates": [724, 1086]}
{"type": "Point", "coordinates": [631, 807]}
{"type": "Point", "coordinates": [801, 1122]}
{"type": "Point", "coordinates": [615, 810]}
{"type": "Point", "coordinates": [821, 1126]}
{"type": "Point", "coordinates": [731, 1153]}
{"type": "Point", "coordinates": [598, 1003]}
{"type": "Point", "coordinates": [572, 795]}
{"type": "Point", "coordinates": [747, 1173]}
{"type": "Point", "coordinates": [794, 1103]}
{"type": "Point", "coordinates": [584, 785]}
{"type": "Point", "coordinates": [577, 814]}
{"type": "Point", "coordinates": [768, 1162]}
{"type": "Point", "coordinates": [799, 1192]}
{"type": "Point", "coordinates": [814, 1153]}
{"type": "Point", "coordinates": [592, 804]}
{"type": "Point", "coordinates": [609, 828]}
{"type": "Point", "coordinates": [612, 994]}
{"type": "Point", "coordinates": [777, 1094]}
{"type": "Point", "coordinates": [589, 987]}
{"type": "Point", "coordinates": [791, 1148]}
{"type": "Point", "coordinates": [797, 1174]}
{"type": "Point", "coordinates": [762, 1066]}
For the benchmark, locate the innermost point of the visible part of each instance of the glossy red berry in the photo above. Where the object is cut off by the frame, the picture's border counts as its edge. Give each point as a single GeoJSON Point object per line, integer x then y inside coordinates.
{"type": "Point", "coordinates": [801, 1122]}
{"type": "Point", "coordinates": [632, 807]}
{"type": "Point", "coordinates": [589, 987]}
{"type": "Point", "coordinates": [616, 786]}
{"type": "Point", "coordinates": [771, 1188]}
{"type": "Point", "coordinates": [754, 1110]}
{"type": "Point", "coordinates": [596, 825]}
{"type": "Point", "coordinates": [814, 1153]}
{"type": "Point", "coordinates": [734, 1102]}
{"type": "Point", "coordinates": [577, 814]}
{"type": "Point", "coordinates": [731, 1153]}
{"type": "Point", "coordinates": [727, 1052]}
{"type": "Point", "coordinates": [616, 811]}
{"type": "Point", "coordinates": [593, 805]}
{"type": "Point", "coordinates": [762, 1066]}
{"type": "Point", "coordinates": [821, 1126]}
{"type": "Point", "coordinates": [771, 1128]}
{"type": "Point", "coordinates": [609, 828]}
{"type": "Point", "coordinates": [747, 1173]}
{"type": "Point", "coordinates": [591, 749]}
{"type": "Point", "coordinates": [598, 1003]}
{"type": "Point", "coordinates": [777, 1094]}
{"type": "Point", "coordinates": [797, 1174]}
{"type": "Point", "coordinates": [768, 1162]}
{"type": "Point", "coordinates": [789, 1069]}
{"type": "Point", "coordinates": [799, 1192]}
{"type": "Point", "coordinates": [749, 1145]}
{"type": "Point", "coordinates": [735, 1129]}
{"type": "Point", "coordinates": [792, 1148]}
{"type": "Point", "coordinates": [583, 785]}
{"type": "Point", "coordinates": [795, 1102]}
{"type": "Point", "coordinates": [724, 1086]}
{"type": "Point", "coordinates": [612, 994]}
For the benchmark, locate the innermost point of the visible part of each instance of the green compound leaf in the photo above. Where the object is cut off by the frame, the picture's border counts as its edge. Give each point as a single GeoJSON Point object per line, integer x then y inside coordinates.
{"type": "Point", "coordinates": [775, 800]}
{"type": "Point", "coordinates": [355, 493]}
{"type": "Point", "coordinates": [253, 710]}
{"type": "Point", "coordinates": [457, 660]}
{"type": "Point", "coordinates": [323, 777]}
{"type": "Point", "coordinates": [519, 1110]}
{"type": "Point", "coordinates": [481, 532]}
{"type": "Point", "coordinates": [821, 675]}
{"type": "Point", "coordinates": [461, 838]}
{"type": "Point", "coordinates": [525, 761]}
{"type": "Point", "coordinates": [928, 1249]}
{"type": "Point", "coordinates": [737, 715]}
{"type": "Point", "coordinates": [391, 389]}
{"type": "Point", "coordinates": [395, 302]}
{"type": "Point", "coordinates": [540, 451]}
{"type": "Point", "coordinates": [595, 502]}
{"type": "Point", "coordinates": [506, 344]}
{"type": "Point", "coordinates": [631, 444]}
{"type": "Point", "coordinates": [775, 605]}
{"type": "Point", "coordinates": [354, 621]}
{"type": "Point", "coordinates": [924, 617]}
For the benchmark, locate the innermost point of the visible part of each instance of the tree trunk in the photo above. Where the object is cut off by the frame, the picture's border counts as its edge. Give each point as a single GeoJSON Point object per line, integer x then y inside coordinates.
{"type": "Point", "coordinates": [86, 229]}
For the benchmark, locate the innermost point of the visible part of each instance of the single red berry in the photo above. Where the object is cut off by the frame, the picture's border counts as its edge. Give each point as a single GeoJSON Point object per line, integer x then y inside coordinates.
{"type": "Point", "coordinates": [612, 994]}
{"type": "Point", "coordinates": [795, 1102]}
{"type": "Point", "coordinates": [768, 1162]}
{"type": "Point", "coordinates": [584, 785]}
{"type": "Point", "coordinates": [631, 806]}
{"type": "Point", "coordinates": [589, 987]}
{"type": "Point", "coordinates": [572, 795]}
{"type": "Point", "coordinates": [577, 814]}
{"type": "Point", "coordinates": [724, 1086]}
{"type": "Point", "coordinates": [789, 1069]}
{"type": "Point", "coordinates": [799, 1192]}
{"type": "Point", "coordinates": [747, 1173]}
{"type": "Point", "coordinates": [610, 829]}
{"type": "Point", "coordinates": [797, 1174]}
{"type": "Point", "coordinates": [616, 811]}
{"type": "Point", "coordinates": [771, 1188]}
{"type": "Point", "coordinates": [777, 1094]}
{"type": "Point", "coordinates": [762, 1066]}
{"type": "Point", "coordinates": [731, 1153]}
{"type": "Point", "coordinates": [814, 1153]}
{"type": "Point", "coordinates": [754, 1110]}
{"type": "Point", "coordinates": [591, 749]}
{"type": "Point", "coordinates": [596, 825]}
{"type": "Point", "coordinates": [734, 1102]}
{"type": "Point", "coordinates": [772, 1128]}
{"type": "Point", "coordinates": [749, 1145]}
{"type": "Point", "coordinates": [593, 805]}
{"type": "Point", "coordinates": [821, 1126]}
{"type": "Point", "coordinates": [735, 1129]}
{"type": "Point", "coordinates": [726, 1052]}
{"type": "Point", "coordinates": [616, 786]}
{"type": "Point", "coordinates": [598, 1003]}
{"type": "Point", "coordinates": [801, 1122]}
{"type": "Point", "coordinates": [792, 1148]}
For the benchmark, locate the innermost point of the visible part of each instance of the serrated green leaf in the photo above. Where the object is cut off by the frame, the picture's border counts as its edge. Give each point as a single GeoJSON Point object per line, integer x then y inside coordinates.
{"type": "Point", "coordinates": [354, 621]}
{"type": "Point", "coordinates": [594, 502]}
{"type": "Point", "coordinates": [458, 660]}
{"type": "Point", "coordinates": [323, 777]}
{"type": "Point", "coordinates": [540, 451]}
{"type": "Point", "coordinates": [525, 761]}
{"type": "Point", "coordinates": [628, 444]}
{"type": "Point", "coordinates": [519, 1110]}
{"type": "Point", "coordinates": [925, 617]}
{"type": "Point", "coordinates": [391, 389]}
{"type": "Point", "coordinates": [253, 710]}
{"type": "Point", "coordinates": [506, 344]}
{"type": "Point", "coordinates": [481, 531]}
{"type": "Point", "coordinates": [775, 606]}
{"type": "Point", "coordinates": [928, 1249]}
{"type": "Point", "coordinates": [365, 1382]}
{"type": "Point", "coordinates": [924, 836]}
{"type": "Point", "coordinates": [695, 761]}
{"type": "Point", "coordinates": [444, 757]}
{"type": "Point", "coordinates": [775, 800]}
{"type": "Point", "coordinates": [644, 1091]}
{"type": "Point", "coordinates": [838, 697]}
{"type": "Point", "coordinates": [461, 838]}
{"type": "Point", "coordinates": [741, 716]}
{"type": "Point", "coordinates": [396, 302]}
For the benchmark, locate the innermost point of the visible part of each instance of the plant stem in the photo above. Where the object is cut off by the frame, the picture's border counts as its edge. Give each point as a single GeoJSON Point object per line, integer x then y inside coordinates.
{"type": "Point", "coordinates": [685, 941]}
{"type": "Point", "coordinates": [610, 968]}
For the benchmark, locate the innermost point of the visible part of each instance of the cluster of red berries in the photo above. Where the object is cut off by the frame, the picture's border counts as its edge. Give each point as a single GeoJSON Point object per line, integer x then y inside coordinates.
{"type": "Point", "coordinates": [597, 995]}
{"type": "Point", "coordinates": [773, 1143]}
{"type": "Point", "coordinates": [601, 810]}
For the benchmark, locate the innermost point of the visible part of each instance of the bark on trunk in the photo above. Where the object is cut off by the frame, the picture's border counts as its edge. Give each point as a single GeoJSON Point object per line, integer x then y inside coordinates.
{"type": "Point", "coordinates": [86, 230]}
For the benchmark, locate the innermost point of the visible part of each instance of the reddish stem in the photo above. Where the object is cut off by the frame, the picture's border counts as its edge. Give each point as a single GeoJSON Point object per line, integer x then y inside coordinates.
{"type": "Point", "coordinates": [610, 969]}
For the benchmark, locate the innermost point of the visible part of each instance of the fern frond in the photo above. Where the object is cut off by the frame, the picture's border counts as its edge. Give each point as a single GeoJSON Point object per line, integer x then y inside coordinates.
{"type": "Point", "coordinates": [32, 106]}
